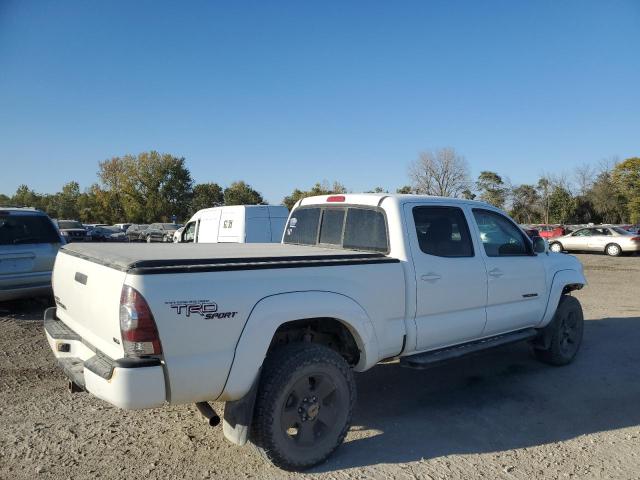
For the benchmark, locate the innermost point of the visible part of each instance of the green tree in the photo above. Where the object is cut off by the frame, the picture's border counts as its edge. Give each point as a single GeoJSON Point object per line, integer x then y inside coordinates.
{"type": "Point", "coordinates": [544, 190]}
{"type": "Point", "coordinates": [25, 197]}
{"type": "Point", "coordinates": [206, 195]}
{"type": "Point", "coordinates": [561, 205]}
{"type": "Point", "coordinates": [468, 194]}
{"type": "Point", "coordinates": [404, 190]}
{"type": "Point", "coordinates": [607, 200]}
{"type": "Point", "coordinates": [240, 193]}
{"type": "Point", "coordinates": [145, 188]}
{"type": "Point", "coordinates": [4, 200]}
{"type": "Point", "coordinates": [626, 178]}
{"type": "Point", "coordinates": [318, 189]}
{"type": "Point", "coordinates": [66, 201]}
{"type": "Point", "coordinates": [524, 204]}
{"type": "Point", "coordinates": [491, 188]}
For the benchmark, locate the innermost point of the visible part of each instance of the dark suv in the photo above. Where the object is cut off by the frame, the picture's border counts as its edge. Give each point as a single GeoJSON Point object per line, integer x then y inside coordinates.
{"type": "Point", "coordinates": [29, 242]}
{"type": "Point", "coordinates": [72, 230]}
{"type": "Point", "coordinates": [160, 232]}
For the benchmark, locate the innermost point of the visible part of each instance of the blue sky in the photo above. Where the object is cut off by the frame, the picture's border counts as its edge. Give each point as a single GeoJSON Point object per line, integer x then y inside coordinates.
{"type": "Point", "coordinates": [283, 94]}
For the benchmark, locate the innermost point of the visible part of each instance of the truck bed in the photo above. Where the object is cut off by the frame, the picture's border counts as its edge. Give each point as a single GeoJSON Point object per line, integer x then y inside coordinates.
{"type": "Point", "coordinates": [172, 258]}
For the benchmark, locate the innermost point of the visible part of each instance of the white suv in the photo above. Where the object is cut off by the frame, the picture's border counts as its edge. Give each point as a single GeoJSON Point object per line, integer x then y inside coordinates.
{"type": "Point", "coordinates": [29, 242]}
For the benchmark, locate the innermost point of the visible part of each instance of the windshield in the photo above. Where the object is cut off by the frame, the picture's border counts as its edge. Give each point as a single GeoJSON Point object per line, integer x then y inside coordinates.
{"type": "Point", "coordinates": [21, 229]}
{"type": "Point", "coordinates": [68, 224]}
{"type": "Point", "coordinates": [171, 226]}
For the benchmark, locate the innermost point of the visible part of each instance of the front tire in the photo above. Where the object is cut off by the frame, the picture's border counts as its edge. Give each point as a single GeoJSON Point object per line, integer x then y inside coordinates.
{"type": "Point", "coordinates": [304, 405]}
{"type": "Point", "coordinates": [556, 247]}
{"type": "Point", "coordinates": [613, 250]}
{"type": "Point", "coordinates": [567, 328]}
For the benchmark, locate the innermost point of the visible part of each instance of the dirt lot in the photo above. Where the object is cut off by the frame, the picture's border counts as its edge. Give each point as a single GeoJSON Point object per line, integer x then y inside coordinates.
{"type": "Point", "coordinates": [499, 415]}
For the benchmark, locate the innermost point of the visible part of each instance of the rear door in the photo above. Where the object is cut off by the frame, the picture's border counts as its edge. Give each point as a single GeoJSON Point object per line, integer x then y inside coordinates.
{"type": "Point", "coordinates": [599, 239]}
{"type": "Point", "coordinates": [451, 276]}
{"type": "Point", "coordinates": [516, 275]}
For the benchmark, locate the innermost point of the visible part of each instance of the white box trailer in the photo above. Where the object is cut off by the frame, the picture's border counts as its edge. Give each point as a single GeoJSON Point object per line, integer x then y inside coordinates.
{"type": "Point", "coordinates": [236, 224]}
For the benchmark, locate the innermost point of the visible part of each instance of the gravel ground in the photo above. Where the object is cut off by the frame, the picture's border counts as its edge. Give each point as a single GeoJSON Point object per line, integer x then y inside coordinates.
{"type": "Point", "coordinates": [499, 415]}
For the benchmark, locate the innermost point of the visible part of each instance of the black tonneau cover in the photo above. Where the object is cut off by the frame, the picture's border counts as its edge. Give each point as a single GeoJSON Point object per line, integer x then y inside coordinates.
{"type": "Point", "coordinates": [159, 258]}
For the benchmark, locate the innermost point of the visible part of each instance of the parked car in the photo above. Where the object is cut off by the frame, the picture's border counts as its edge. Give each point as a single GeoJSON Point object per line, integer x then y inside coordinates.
{"type": "Point", "coordinates": [237, 224]}
{"type": "Point", "coordinates": [611, 240]}
{"type": "Point", "coordinates": [91, 226]}
{"type": "Point", "coordinates": [72, 230]}
{"type": "Point", "coordinates": [122, 226]}
{"type": "Point", "coordinates": [159, 232]}
{"type": "Point", "coordinates": [177, 236]}
{"type": "Point", "coordinates": [551, 231]}
{"type": "Point", "coordinates": [108, 234]}
{"type": "Point", "coordinates": [29, 242]}
{"type": "Point", "coordinates": [531, 232]}
{"type": "Point", "coordinates": [277, 330]}
{"type": "Point", "coordinates": [134, 232]}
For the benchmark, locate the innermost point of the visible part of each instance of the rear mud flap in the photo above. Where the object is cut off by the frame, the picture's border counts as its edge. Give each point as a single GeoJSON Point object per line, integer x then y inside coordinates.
{"type": "Point", "coordinates": [238, 416]}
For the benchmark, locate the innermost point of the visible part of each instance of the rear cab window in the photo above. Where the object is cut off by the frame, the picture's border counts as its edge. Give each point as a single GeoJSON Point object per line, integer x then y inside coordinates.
{"type": "Point", "coordinates": [26, 229]}
{"type": "Point", "coordinates": [348, 227]}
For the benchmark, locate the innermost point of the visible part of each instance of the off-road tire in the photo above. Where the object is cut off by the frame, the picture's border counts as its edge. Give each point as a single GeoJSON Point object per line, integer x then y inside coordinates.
{"type": "Point", "coordinates": [290, 378]}
{"type": "Point", "coordinates": [553, 244]}
{"type": "Point", "coordinates": [613, 250]}
{"type": "Point", "coordinates": [567, 328]}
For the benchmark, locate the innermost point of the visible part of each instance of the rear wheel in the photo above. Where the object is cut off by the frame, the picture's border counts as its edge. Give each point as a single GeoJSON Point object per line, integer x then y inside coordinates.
{"type": "Point", "coordinates": [556, 247]}
{"type": "Point", "coordinates": [304, 405]}
{"type": "Point", "coordinates": [566, 334]}
{"type": "Point", "coordinates": [613, 250]}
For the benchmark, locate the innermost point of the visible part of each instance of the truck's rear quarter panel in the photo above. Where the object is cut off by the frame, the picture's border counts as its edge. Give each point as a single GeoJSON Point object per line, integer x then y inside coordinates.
{"type": "Point", "coordinates": [199, 352]}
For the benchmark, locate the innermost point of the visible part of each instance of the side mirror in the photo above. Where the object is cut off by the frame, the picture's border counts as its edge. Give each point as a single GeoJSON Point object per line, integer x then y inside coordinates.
{"type": "Point", "coordinates": [539, 245]}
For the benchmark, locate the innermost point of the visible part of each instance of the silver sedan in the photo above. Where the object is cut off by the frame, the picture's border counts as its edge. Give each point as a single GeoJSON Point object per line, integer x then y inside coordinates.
{"type": "Point", "coordinates": [610, 240]}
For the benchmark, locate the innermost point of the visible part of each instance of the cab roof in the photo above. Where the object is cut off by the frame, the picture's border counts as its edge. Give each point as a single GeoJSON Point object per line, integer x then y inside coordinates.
{"type": "Point", "coordinates": [375, 199]}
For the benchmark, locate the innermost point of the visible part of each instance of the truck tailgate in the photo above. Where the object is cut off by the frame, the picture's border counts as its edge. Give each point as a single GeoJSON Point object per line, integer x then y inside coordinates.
{"type": "Point", "coordinates": [88, 298]}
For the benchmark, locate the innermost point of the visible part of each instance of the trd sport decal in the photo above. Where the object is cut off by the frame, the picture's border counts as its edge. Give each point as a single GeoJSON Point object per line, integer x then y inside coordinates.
{"type": "Point", "coordinates": [204, 308]}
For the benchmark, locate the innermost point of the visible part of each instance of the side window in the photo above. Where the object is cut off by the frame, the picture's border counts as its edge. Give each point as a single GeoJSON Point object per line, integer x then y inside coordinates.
{"type": "Point", "coordinates": [303, 226]}
{"type": "Point", "coordinates": [585, 232]}
{"type": "Point", "coordinates": [331, 227]}
{"type": "Point", "coordinates": [365, 230]}
{"type": "Point", "coordinates": [443, 231]}
{"type": "Point", "coordinates": [189, 233]}
{"type": "Point", "coordinates": [499, 236]}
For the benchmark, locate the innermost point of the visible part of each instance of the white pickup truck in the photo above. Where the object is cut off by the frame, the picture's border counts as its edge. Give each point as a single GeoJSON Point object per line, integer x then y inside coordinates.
{"type": "Point", "coordinates": [277, 330]}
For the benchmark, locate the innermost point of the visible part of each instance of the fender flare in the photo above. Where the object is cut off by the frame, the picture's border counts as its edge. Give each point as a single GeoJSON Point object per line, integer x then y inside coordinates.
{"type": "Point", "coordinates": [561, 279]}
{"type": "Point", "coordinates": [271, 312]}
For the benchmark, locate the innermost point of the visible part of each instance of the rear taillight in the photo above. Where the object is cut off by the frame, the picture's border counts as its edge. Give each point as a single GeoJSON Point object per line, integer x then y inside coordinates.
{"type": "Point", "coordinates": [138, 327]}
{"type": "Point", "coordinates": [635, 239]}
{"type": "Point", "coordinates": [336, 198]}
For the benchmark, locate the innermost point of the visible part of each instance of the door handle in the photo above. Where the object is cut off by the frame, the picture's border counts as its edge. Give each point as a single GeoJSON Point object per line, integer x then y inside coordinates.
{"type": "Point", "coordinates": [496, 273]}
{"type": "Point", "coordinates": [431, 277]}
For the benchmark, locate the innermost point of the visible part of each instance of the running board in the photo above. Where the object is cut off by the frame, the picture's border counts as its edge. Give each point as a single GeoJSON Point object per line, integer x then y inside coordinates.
{"type": "Point", "coordinates": [434, 357]}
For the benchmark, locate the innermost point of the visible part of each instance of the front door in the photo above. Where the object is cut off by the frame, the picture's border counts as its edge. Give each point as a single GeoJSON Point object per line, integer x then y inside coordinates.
{"type": "Point", "coordinates": [451, 279]}
{"type": "Point", "coordinates": [516, 275]}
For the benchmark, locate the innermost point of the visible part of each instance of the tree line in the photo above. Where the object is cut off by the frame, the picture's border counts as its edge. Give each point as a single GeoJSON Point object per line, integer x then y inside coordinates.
{"type": "Point", "coordinates": [151, 187]}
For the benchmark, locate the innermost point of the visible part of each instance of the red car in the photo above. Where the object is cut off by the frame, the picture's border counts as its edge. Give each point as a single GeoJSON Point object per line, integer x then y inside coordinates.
{"type": "Point", "coordinates": [551, 231]}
